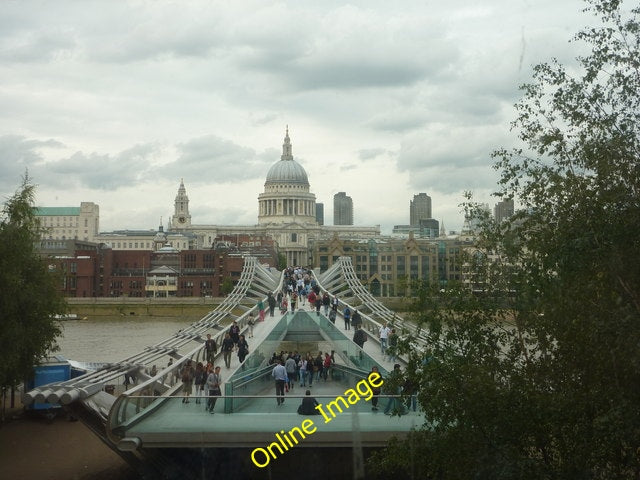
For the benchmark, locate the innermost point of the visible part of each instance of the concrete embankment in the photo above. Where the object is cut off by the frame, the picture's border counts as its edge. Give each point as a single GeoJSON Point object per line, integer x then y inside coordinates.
{"type": "Point", "coordinates": [156, 307]}
{"type": "Point", "coordinates": [189, 307]}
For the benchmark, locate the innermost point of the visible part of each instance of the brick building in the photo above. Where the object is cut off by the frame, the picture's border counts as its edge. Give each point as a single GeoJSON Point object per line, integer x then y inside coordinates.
{"type": "Point", "coordinates": [95, 270]}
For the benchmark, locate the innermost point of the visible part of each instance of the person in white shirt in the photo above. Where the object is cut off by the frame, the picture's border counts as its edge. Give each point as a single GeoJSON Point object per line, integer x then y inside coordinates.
{"type": "Point", "coordinates": [384, 336]}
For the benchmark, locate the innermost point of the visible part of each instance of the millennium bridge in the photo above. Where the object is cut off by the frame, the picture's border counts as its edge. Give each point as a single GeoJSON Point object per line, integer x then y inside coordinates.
{"type": "Point", "coordinates": [161, 436]}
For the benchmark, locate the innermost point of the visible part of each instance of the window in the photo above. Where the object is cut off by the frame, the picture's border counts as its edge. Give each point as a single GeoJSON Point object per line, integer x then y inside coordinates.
{"type": "Point", "coordinates": [414, 266]}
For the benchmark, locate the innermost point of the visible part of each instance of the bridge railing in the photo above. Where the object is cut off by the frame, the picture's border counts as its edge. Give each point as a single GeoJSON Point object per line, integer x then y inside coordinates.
{"type": "Point", "coordinates": [342, 280]}
{"type": "Point", "coordinates": [254, 283]}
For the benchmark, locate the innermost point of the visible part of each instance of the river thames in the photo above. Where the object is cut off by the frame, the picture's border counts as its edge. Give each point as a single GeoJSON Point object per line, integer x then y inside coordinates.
{"type": "Point", "coordinates": [111, 339]}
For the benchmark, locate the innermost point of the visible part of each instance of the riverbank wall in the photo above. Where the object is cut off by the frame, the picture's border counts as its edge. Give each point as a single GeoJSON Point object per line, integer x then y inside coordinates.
{"type": "Point", "coordinates": [196, 307]}
{"type": "Point", "coordinates": [192, 307]}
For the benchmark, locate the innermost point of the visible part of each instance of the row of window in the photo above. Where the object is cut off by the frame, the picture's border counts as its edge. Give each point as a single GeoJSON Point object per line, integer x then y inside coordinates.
{"type": "Point", "coordinates": [73, 221]}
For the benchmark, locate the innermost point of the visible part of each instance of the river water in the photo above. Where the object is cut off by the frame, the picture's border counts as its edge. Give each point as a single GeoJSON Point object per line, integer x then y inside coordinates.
{"type": "Point", "coordinates": [111, 339]}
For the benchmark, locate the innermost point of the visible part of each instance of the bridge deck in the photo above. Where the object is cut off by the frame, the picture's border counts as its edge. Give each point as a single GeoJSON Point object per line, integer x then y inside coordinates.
{"type": "Point", "coordinates": [254, 424]}
{"type": "Point", "coordinates": [179, 424]}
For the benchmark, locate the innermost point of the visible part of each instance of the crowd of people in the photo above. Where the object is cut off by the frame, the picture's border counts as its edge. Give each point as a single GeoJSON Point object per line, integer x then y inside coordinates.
{"type": "Point", "coordinates": [290, 368]}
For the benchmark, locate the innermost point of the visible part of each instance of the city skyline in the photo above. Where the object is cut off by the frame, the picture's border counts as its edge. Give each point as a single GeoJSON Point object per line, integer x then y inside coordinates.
{"type": "Point", "coordinates": [115, 103]}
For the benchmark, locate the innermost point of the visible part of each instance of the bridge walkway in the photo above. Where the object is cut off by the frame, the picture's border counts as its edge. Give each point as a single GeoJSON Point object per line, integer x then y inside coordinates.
{"type": "Point", "coordinates": [249, 405]}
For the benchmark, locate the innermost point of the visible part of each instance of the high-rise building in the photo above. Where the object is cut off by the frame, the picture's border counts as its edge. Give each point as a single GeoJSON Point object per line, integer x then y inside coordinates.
{"type": "Point", "coordinates": [320, 213]}
{"type": "Point", "coordinates": [503, 210]}
{"type": "Point", "coordinates": [342, 209]}
{"type": "Point", "coordinates": [419, 208]}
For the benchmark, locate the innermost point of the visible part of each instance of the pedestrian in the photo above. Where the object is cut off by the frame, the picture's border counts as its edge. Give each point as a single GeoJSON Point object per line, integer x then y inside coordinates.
{"type": "Point", "coordinates": [332, 316]}
{"type": "Point", "coordinates": [312, 299]}
{"type": "Point", "coordinates": [261, 310]}
{"type": "Point", "coordinates": [359, 337]}
{"type": "Point", "coordinates": [214, 380]}
{"type": "Point", "coordinates": [326, 365]}
{"type": "Point", "coordinates": [210, 348]}
{"type": "Point", "coordinates": [311, 368]}
{"type": "Point", "coordinates": [279, 374]}
{"type": "Point", "coordinates": [243, 349]}
{"type": "Point", "coordinates": [279, 297]}
{"type": "Point", "coordinates": [308, 405]}
{"type": "Point", "coordinates": [234, 333]}
{"type": "Point", "coordinates": [290, 366]}
{"type": "Point", "coordinates": [251, 322]}
{"type": "Point", "coordinates": [392, 350]}
{"type": "Point", "coordinates": [347, 318]}
{"type": "Point", "coordinates": [199, 381]}
{"type": "Point", "coordinates": [356, 319]}
{"type": "Point", "coordinates": [318, 366]}
{"type": "Point", "coordinates": [302, 370]}
{"type": "Point", "coordinates": [326, 302]}
{"type": "Point", "coordinates": [375, 391]}
{"type": "Point", "coordinates": [187, 375]}
{"type": "Point", "coordinates": [384, 336]}
{"type": "Point", "coordinates": [393, 386]}
{"type": "Point", "coordinates": [271, 301]}
{"type": "Point", "coordinates": [318, 304]}
{"type": "Point", "coordinates": [409, 389]}
{"type": "Point", "coordinates": [227, 348]}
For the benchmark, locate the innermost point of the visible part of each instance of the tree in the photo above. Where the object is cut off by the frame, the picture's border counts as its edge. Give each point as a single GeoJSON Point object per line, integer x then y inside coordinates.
{"type": "Point", "coordinates": [537, 375]}
{"type": "Point", "coordinates": [29, 299]}
{"type": "Point", "coordinates": [226, 287]}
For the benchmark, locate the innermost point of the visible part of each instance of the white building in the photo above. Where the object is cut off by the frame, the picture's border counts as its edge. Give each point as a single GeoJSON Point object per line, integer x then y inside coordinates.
{"type": "Point", "coordinates": [286, 213]}
{"type": "Point", "coordinates": [69, 223]}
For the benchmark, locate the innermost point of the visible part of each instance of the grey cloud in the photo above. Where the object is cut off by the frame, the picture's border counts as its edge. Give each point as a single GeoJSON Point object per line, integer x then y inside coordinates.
{"type": "Point", "coordinates": [101, 171]}
{"type": "Point", "coordinates": [451, 159]}
{"type": "Point", "coordinates": [37, 46]}
{"type": "Point", "coordinates": [18, 154]}
{"type": "Point", "coordinates": [367, 154]}
{"type": "Point", "coordinates": [350, 47]}
{"type": "Point", "coordinates": [448, 180]}
{"type": "Point", "coordinates": [400, 119]}
{"type": "Point", "coordinates": [349, 166]}
{"type": "Point", "coordinates": [211, 159]}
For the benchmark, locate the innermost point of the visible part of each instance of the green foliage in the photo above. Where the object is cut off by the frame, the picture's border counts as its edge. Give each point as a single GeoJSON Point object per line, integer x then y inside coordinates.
{"type": "Point", "coordinates": [29, 300]}
{"type": "Point", "coordinates": [226, 287]}
{"type": "Point", "coordinates": [282, 261]}
{"type": "Point", "coordinates": [536, 373]}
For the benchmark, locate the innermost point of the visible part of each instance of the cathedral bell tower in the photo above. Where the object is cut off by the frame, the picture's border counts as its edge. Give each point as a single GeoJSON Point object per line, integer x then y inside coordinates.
{"type": "Point", "coordinates": [181, 217]}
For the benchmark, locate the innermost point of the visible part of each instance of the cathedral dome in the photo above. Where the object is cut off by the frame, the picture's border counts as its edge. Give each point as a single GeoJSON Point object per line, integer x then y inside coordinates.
{"type": "Point", "coordinates": [287, 170]}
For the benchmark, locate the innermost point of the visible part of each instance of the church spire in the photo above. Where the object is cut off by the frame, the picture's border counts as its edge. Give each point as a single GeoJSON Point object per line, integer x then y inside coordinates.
{"type": "Point", "coordinates": [286, 147]}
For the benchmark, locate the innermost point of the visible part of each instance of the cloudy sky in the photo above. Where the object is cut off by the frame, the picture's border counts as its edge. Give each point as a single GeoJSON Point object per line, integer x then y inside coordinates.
{"type": "Point", "coordinates": [115, 102]}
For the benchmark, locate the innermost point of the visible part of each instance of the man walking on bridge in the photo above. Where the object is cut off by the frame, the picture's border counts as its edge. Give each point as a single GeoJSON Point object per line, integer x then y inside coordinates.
{"type": "Point", "coordinates": [210, 348]}
{"type": "Point", "coordinates": [213, 384]}
{"type": "Point", "coordinates": [279, 373]}
{"type": "Point", "coordinates": [227, 348]}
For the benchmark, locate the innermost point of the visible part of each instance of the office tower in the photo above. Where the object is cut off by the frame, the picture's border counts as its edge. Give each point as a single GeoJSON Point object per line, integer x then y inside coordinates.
{"type": "Point", "coordinates": [419, 208]}
{"type": "Point", "coordinates": [503, 210]}
{"type": "Point", "coordinates": [320, 213]}
{"type": "Point", "coordinates": [342, 209]}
